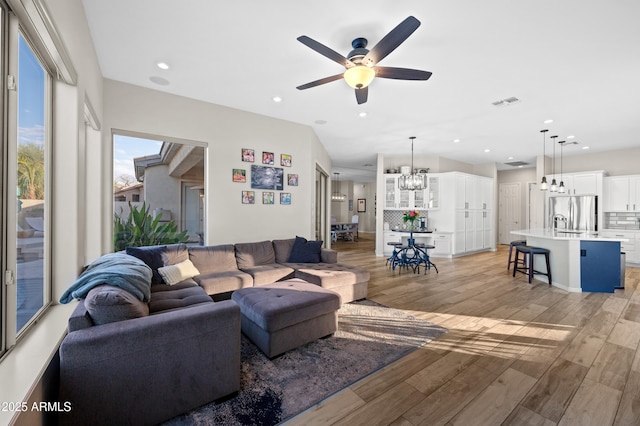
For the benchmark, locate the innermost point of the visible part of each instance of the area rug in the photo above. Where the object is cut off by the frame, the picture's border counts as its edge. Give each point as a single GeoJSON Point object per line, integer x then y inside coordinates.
{"type": "Point", "coordinates": [369, 337]}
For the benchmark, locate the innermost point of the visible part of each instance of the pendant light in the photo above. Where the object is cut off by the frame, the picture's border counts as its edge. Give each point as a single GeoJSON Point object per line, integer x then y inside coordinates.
{"type": "Point", "coordinates": [411, 181]}
{"type": "Point", "coordinates": [543, 183]}
{"type": "Point", "coordinates": [561, 188]}
{"type": "Point", "coordinates": [337, 195]}
{"type": "Point", "coordinates": [554, 184]}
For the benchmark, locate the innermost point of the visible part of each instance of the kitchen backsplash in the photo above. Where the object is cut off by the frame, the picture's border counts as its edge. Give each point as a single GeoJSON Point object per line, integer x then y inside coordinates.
{"type": "Point", "coordinates": [622, 220]}
{"type": "Point", "coordinates": [394, 218]}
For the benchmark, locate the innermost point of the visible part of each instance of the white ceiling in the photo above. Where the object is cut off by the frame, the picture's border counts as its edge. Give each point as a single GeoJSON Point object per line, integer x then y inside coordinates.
{"type": "Point", "coordinates": [574, 61]}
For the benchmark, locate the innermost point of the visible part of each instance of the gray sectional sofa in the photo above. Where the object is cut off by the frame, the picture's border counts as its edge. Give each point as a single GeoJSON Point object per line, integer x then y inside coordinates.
{"type": "Point", "coordinates": [146, 358]}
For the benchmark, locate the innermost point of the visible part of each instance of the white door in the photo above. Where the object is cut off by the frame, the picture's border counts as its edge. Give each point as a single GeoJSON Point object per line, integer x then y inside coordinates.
{"type": "Point", "coordinates": [536, 206]}
{"type": "Point", "coordinates": [509, 211]}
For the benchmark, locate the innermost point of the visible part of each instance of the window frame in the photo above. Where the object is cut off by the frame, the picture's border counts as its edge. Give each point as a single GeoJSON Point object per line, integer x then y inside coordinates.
{"type": "Point", "coordinates": [8, 306]}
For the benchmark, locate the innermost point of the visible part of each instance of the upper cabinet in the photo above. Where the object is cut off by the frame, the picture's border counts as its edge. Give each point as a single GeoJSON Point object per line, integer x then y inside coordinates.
{"type": "Point", "coordinates": [622, 193]}
{"type": "Point", "coordinates": [584, 183]}
{"type": "Point", "coordinates": [396, 199]}
{"type": "Point", "coordinates": [473, 192]}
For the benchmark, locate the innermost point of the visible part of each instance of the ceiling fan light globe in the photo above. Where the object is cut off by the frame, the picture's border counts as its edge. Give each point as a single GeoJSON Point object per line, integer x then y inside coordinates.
{"type": "Point", "coordinates": [359, 76]}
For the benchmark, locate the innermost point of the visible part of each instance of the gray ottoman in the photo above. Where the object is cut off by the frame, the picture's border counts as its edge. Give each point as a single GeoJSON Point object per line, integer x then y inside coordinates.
{"type": "Point", "coordinates": [282, 316]}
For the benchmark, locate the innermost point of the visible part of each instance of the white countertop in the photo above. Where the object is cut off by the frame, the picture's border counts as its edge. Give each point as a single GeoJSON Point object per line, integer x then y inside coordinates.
{"type": "Point", "coordinates": [559, 235]}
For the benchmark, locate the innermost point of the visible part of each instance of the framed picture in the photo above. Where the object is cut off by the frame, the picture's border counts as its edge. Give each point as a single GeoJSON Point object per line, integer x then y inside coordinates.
{"type": "Point", "coordinates": [267, 198]}
{"type": "Point", "coordinates": [239, 175]}
{"type": "Point", "coordinates": [263, 177]}
{"type": "Point", "coordinates": [285, 198]}
{"type": "Point", "coordinates": [362, 205]}
{"type": "Point", "coordinates": [292, 180]}
{"type": "Point", "coordinates": [268, 157]}
{"type": "Point", "coordinates": [285, 160]}
{"type": "Point", "coordinates": [248, 197]}
{"type": "Point", "coordinates": [248, 155]}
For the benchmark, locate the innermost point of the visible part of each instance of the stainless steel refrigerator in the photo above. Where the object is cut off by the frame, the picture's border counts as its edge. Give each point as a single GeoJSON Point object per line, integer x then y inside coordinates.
{"type": "Point", "coordinates": [573, 213]}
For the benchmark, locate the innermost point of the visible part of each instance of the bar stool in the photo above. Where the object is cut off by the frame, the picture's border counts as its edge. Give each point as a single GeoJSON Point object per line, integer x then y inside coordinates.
{"type": "Point", "coordinates": [513, 244]}
{"type": "Point", "coordinates": [393, 259]}
{"type": "Point", "coordinates": [528, 254]}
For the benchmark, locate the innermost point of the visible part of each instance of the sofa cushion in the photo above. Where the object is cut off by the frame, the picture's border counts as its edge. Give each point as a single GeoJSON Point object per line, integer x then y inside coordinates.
{"type": "Point", "coordinates": [254, 254]}
{"type": "Point", "coordinates": [174, 254]}
{"type": "Point", "coordinates": [267, 274]}
{"type": "Point", "coordinates": [152, 256]}
{"type": "Point", "coordinates": [304, 251]}
{"type": "Point", "coordinates": [168, 298]}
{"type": "Point", "coordinates": [107, 303]}
{"type": "Point", "coordinates": [173, 274]}
{"type": "Point", "coordinates": [282, 249]}
{"type": "Point", "coordinates": [210, 259]}
{"type": "Point", "coordinates": [330, 275]}
{"type": "Point", "coordinates": [222, 282]}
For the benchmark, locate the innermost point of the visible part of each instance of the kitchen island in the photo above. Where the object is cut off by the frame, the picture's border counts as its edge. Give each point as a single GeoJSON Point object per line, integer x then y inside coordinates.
{"type": "Point", "coordinates": [580, 261]}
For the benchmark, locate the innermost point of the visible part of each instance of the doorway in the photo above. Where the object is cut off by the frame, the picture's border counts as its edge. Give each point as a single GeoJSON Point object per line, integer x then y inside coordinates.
{"type": "Point", "coordinates": [321, 205]}
{"type": "Point", "coordinates": [509, 211]}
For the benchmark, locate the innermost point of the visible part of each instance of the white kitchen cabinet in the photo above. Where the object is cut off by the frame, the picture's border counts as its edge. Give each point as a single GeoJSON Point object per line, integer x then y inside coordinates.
{"type": "Point", "coordinates": [442, 244]}
{"type": "Point", "coordinates": [583, 183]}
{"type": "Point", "coordinates": [390, 237]}
{"type": "Point", "coordinates": [433, 197]}
{"type": "Point", "coordinates": [397, 199]}
{"type": "Point", "coordinates": [622, 193]}
{"type": "Point", "coordinates": [631, 248]}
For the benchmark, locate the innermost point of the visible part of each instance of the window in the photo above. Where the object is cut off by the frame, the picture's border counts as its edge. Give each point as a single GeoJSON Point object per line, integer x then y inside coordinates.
{"type": "Point", "coordinates": [31, 172]}
{"type": "Point", "coordinates": [25, 212]}
{"type": "Point", "coordinates": [164, 178]}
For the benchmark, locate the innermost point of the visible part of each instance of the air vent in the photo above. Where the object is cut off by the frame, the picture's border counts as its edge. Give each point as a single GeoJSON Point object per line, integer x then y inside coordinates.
{"type": "Point", "coordinates": [506, 102]}
{"type": "Point", "coordinates": [517, 163]}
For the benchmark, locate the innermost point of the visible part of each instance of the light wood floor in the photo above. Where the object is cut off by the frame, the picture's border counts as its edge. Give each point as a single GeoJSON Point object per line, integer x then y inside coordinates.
{"type": "Point", "coordinates": [515, 353]}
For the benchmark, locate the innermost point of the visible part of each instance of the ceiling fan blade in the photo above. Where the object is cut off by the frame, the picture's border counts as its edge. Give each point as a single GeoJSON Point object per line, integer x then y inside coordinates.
{"type": "Point", "coordinates": [319, 82]}
{"type": "Point", "coordinates": [362, 95]}
{"type": "Point", "coordinates": [325, 51]}
{"type": "Point", "coordinates": [401, 73]}
{"type": "Point", "coordinates": [392, 40]}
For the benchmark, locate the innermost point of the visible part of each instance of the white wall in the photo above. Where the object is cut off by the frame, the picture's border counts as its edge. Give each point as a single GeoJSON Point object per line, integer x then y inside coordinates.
{"type": "Point", "coordinates": [614, 163]}
{"type": "Point", "coordinates": [224, 131]}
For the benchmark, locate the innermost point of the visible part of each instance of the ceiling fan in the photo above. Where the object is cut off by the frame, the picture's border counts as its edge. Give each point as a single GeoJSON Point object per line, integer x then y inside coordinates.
{"type": "Point", "coordinates": [361, 63]}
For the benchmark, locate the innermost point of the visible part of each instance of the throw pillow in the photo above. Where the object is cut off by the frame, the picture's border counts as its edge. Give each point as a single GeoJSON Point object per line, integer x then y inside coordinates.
{"type": "Point", "coordinates": [304, 251]}
{"type": "Point", "coordinates": [152, 256]}
{"type": "Point", "coordinates": [173, 274]}
{"type": "Point", "coordinates": [107, 303]}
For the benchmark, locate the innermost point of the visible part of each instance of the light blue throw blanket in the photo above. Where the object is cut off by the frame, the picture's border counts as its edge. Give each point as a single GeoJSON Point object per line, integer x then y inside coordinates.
{"type": "Point", "coordinates": [117, 269]}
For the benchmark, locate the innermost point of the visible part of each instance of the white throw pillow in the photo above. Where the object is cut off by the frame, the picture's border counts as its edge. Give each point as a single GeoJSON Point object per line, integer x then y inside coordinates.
{"type": "Point", "coordinates": [174, 274]}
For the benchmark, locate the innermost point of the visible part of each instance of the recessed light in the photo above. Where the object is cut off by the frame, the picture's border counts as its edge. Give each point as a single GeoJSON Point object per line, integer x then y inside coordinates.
{"type": "Point", "coordinates": [456, 140]}
{"type": "Point", "coordinates": [162, 65]}
{"type": "Point", "coordinates": [509, 158]}
{"type": "Point", "coordinates": [159, 80]}
{"type": "Point", "coordinates": [548, 121]}
{"type": "Point", "coordinates": [585, 147]}
{"type": "Point", "coordinates": [570, 136]}
{"type": "Point", "coordinates": [277, 99]}
{"type": "Point", "coordinates": [487, 150]}
{"type": "Point", "coordinates": [363, 114]}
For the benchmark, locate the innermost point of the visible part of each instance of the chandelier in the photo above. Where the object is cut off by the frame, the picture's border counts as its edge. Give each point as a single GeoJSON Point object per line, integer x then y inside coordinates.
{"type": "Point", "coordinates": [337, 195]}
{"type": "Point", "coordinates": [411, 181]}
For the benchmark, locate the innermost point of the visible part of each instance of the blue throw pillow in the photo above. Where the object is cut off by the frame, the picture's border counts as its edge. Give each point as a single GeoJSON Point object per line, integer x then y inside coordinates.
{"type": "Point", "coordinates": [304, 251]}
{"type": "Point", "coordinates": [152, 256]}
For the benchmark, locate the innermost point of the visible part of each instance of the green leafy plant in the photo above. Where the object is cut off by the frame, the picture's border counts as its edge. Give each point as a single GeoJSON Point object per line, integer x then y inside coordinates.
{"type": "Point", "coordinates": [141, 229]}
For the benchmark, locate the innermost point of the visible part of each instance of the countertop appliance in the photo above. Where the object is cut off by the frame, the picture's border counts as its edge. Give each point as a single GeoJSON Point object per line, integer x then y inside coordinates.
{"type": "Point", "coordinates": [573, 213]}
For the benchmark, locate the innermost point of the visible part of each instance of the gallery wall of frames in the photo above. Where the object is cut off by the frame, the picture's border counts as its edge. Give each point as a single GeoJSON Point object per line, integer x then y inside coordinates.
{"type": "Point", "coordinates": [265, 179]}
